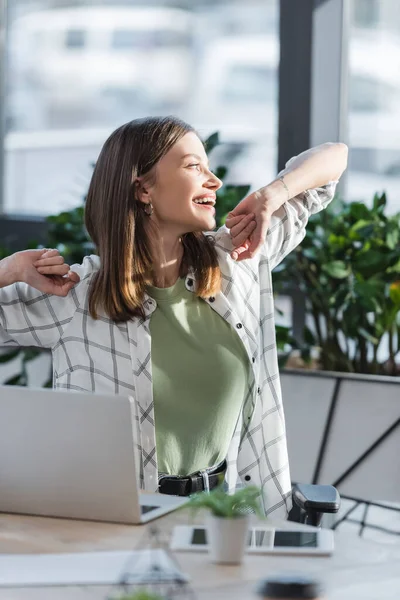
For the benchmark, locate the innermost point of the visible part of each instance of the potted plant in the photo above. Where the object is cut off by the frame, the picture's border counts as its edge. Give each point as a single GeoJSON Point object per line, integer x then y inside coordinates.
{"type": "Point", "coordinates": [227, 521]}
{"type": "Point", "coordinates": [348, 268]}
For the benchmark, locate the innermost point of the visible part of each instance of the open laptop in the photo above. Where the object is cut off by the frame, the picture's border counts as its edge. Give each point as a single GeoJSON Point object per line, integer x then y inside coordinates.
{"type": "Point", "coordinates": [72, 455]}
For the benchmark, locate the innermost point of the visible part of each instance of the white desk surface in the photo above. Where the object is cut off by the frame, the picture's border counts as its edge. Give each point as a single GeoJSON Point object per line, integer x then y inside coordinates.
{"type": "Point", "coordinates": [358, 570]}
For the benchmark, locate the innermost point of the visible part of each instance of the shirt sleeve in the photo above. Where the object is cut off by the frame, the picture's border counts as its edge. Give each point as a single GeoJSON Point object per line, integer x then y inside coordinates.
{"type": "Point", "coordinates": [30, 318]}
{"type": "Point", "coordinates": [288, 223]}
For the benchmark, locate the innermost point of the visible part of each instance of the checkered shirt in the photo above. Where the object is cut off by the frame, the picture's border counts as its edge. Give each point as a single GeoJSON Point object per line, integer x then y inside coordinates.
{"type": "Point", "coordinates": [101, 356]}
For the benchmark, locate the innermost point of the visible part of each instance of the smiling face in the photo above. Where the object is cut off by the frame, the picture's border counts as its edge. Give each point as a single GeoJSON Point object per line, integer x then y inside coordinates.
{"type": "Point", "coordinates": [183, 193]}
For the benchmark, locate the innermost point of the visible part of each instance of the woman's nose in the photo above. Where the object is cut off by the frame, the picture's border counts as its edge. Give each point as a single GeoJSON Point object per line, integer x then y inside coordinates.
{"type": "Point", "coordinates": [213, 182]}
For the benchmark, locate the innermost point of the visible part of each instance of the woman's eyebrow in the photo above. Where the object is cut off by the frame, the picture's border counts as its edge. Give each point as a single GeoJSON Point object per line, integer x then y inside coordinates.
{"type": "Point", "coordinates": [195, 156]}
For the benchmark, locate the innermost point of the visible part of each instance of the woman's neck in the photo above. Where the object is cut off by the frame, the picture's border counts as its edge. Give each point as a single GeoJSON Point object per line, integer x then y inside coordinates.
{"type": "Point", "coordinates": [167, 258]}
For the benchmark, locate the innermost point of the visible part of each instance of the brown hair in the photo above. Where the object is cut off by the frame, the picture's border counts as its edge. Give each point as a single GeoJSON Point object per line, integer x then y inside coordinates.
{"type": "Point", "coordinates": [115, 220]}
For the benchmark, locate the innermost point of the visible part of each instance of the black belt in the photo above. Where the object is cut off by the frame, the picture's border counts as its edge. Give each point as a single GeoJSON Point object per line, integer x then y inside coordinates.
{"type": "Point", "coordinates": [184, 486]}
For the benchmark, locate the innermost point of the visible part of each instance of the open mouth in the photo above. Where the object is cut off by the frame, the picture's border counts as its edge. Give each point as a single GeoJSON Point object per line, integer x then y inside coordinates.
{"type": "Point", "coordinates": [207, 203]}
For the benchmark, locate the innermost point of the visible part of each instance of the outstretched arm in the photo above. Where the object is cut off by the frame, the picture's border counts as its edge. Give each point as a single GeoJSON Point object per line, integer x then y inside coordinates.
{"type": "Point", "coordinates": [35, 298]}
{"type": "Point", "coordinates": [304, 187]}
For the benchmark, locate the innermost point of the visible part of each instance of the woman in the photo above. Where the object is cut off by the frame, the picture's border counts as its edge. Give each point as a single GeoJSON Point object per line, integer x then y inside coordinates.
{"type": "Point", "coordinates": [173, 317]}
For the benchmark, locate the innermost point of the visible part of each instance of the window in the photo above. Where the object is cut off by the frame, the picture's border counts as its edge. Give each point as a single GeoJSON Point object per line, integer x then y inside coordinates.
{"type": "Point", "coordinates": [75, 38]}
{"type": "Point", "coordinates": [366, 13]}
{"type": "Point", "coordinates": [374, 102]}
{"type": "Point", "coordinates": [371, 95]}
{"type": "Point", "coordinates": [125, 39]}
{"type": "Point", "coordinates": [250, 84]}
{"type": "Point", "coordinates": [77, 70]}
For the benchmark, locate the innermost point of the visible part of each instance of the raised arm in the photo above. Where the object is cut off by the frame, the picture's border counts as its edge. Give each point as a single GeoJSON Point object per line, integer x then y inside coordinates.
{"type": "Point", "coordinates": [275, 216]}
{"type": "Point", "coordinates": [34, 301]}
{"type": "Point", "coordinates": [311, 169]}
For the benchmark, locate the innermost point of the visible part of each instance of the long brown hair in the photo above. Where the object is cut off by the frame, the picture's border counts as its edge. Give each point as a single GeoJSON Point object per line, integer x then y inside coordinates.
{"type": "Point", "coordinates": [115, 220]}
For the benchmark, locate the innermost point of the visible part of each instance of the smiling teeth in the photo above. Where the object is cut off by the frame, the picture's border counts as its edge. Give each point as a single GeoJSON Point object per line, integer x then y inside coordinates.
{"type": "Point", "coordinates": [203, 201]}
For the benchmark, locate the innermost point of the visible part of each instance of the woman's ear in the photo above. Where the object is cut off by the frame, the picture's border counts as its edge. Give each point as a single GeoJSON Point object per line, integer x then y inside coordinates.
{"type": "Point", "coordinates": [141, 191]}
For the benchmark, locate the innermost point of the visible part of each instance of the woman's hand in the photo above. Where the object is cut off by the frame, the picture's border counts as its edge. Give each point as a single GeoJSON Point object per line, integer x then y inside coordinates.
{"type": "Point", "coordinates": [44, 270]}
{"type": "Point", "coordinates": [249, 221]}
{"type": "Point", "coordinates": [311, 169]}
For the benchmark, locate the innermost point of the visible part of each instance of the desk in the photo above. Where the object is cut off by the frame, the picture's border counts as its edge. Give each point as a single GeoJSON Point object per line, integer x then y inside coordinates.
{"type": "Point", "coordinates": [358, 570]}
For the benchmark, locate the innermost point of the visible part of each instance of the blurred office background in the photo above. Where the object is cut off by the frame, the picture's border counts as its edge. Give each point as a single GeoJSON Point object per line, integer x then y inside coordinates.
{"type": "Point", "coordinates": [73, 70]}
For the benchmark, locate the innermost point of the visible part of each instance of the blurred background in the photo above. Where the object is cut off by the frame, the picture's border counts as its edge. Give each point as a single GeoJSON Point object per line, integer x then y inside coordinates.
{"type": "Point", "coordinates": [75, 70]}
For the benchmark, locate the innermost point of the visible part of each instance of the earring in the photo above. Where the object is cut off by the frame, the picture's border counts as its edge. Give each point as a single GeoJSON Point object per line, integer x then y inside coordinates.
{"type": "Point", "coordinates": [148, 209]}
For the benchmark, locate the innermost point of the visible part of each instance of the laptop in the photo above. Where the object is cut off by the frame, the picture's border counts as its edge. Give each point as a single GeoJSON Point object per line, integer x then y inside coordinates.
{"type": "Point", "coordinates": [72, 455]}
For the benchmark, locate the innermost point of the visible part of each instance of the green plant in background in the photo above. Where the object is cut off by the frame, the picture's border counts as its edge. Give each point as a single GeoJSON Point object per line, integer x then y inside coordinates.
{"type": "Point", "coordinates": [227, 506]}
{"type": "Point", "coordinates": [67, 233]}
{"type": "Point", "coordinates": [348, 267]}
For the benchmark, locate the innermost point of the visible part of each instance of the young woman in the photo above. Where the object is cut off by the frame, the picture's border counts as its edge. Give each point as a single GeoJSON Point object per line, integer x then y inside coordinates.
{"type": "Point", "coordinates": [181, 320]}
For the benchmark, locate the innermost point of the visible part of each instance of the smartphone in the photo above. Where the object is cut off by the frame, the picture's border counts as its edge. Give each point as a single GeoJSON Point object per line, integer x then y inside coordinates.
{"type": "Point", "coordinates": [261, 540]}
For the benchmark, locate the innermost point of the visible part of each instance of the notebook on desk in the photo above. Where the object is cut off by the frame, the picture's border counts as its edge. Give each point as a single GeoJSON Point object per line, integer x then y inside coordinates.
{"type": "Point", "coordinates": [72, 455]}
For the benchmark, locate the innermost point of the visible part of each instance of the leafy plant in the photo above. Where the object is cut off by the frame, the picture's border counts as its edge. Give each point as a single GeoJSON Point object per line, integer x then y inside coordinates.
{"type": "Point", "coordinates": [227, 506]}
{"type": "Point", "coordinates": [67, 233]}
{"type": "Point", "coordinates": [348, 267]}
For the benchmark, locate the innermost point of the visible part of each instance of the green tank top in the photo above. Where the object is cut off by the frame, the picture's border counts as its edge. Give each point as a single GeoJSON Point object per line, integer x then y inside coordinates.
{"type": "Point", "coordinates": [201, 374]}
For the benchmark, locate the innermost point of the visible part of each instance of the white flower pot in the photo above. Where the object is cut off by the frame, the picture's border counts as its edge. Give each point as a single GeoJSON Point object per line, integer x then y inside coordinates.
{"type": "Point", "coordinates": [227, 538]}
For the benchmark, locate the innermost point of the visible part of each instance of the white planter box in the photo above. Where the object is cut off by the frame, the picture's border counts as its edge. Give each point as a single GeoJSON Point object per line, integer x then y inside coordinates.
{"type": "Point", "coordinates": [333, 421]}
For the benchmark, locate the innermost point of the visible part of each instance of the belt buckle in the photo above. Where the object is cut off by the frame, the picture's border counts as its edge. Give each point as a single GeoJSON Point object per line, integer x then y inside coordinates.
{"type": "Point", "coordinates": [206, 481]}
{"type": "Point", "coordinates": [161, 478]}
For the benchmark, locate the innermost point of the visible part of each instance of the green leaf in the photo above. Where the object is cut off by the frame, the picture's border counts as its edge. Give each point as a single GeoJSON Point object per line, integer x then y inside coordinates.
{"type": "Point", "coordinates": [29, 354]}
{"type": "Point", "coordinates": [368, 336]}
{"type": "Point", "coordinates": [19, 379]}
{"type": "Point", "coordinates": [4, 358]}
{"type": "Point", "coordinates": [394, 293]}
{"type": "Point", "coordinates": [394, 268]}
{"type": "Point", "coordinates": [211, 142]}
{"type": "Point", "coordinates": [392, 239]}
{"type": "Point", "coordinates": [222, 504]}
{"type": "Point", "coordinates": [371, 262]}
{"type": "Point", "coordinates": [337, 269]}
{"type": "Point", "coordinates": [379, 202]}
{"type": "Point", "coordinates": [363, 228]}
{"type": "Point", "coordinates": [358, 210]}
{"type": "Point", "coordinates": [308, 336]}
{"type": "Point", "coordinates": [220, 172]}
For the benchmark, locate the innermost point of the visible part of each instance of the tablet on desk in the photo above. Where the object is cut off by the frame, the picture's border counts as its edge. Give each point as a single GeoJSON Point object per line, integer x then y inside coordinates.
{"type": "Point", "coordinates": [261, 540]}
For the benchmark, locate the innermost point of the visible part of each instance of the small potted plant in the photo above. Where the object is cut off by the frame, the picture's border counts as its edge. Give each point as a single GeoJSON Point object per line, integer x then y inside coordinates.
{"type": "Point", "coordinates": [228, 520]}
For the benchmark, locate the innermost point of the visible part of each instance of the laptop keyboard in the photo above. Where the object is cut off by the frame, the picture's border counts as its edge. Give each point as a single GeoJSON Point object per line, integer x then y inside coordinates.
{"type": "Point", "coordinates": [146, 509]}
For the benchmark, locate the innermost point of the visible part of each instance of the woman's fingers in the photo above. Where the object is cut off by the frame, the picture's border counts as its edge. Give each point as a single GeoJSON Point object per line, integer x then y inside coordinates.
{"type": "Point", "coordinates": [238, 252]}
{"type": "Point", "coordinates": [59, 269]}
{"type": "Point", "coordinates": [236, 221]}
{"type": "Point", "coordinates": [47, 262]}
{"type": "Point", "coordinates": [243, 234]}
{"type": "Point", "coordinates": [73, 277]}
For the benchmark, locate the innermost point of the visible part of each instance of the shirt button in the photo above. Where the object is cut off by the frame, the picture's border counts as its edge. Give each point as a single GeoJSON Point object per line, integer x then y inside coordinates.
{"type": "Point", "coordinates": [258, 390]}
{"type": "Point", "coordinates": [212, 299]}
{"type": "Point", "coordinates": [247, 478]}
{"type": "Point", "coordinates": [239, 325]}
{"type": "Point", "coordinates": [253, 359]}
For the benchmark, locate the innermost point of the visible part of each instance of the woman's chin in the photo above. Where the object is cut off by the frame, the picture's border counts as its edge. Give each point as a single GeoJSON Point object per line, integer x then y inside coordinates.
{"type": "Point", "coordinates": [206, 224]}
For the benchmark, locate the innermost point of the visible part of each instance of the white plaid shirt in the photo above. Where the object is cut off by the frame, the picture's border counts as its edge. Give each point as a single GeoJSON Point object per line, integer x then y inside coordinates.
{"type": "Point", "coordinates": [101, 356]}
